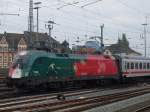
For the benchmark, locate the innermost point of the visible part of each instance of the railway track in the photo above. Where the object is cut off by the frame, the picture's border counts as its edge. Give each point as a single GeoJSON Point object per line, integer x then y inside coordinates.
{"type": "Point", "coordinates": [5, 92]}
{"type": "Point", "coordinates": [143, 109]}
{"type": "Point", "coordinates": [32, 98]}
{"type": "Point", "coordinates": [87, 103]}
{"type": "Point", "coordinates": [3, 85]}
{"type": "Point", "coordinates": [2, 79]}
{"type": "Point", "coordinates": [75, 101]}
{"type": "Point", "coordinates": [11, 103]}
{"type": "Point", "coordinates": [5, 88]}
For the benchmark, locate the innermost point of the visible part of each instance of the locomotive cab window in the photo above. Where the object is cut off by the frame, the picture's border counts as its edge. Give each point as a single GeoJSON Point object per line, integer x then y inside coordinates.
{"type": "Point", "coordinates": [20, 61]}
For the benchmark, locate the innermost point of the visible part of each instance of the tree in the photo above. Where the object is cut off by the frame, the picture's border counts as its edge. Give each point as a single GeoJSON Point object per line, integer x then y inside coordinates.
{"type": "Point", "coordinates": [124, 40]}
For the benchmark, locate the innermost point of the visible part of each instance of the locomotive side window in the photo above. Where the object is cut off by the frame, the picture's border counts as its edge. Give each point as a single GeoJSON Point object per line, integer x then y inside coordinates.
{"type": "Point", "coordinates": [39, 61]}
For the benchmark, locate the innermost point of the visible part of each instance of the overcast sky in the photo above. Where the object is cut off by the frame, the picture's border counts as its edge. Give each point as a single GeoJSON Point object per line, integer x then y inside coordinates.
{"type": "Point", "coordinates": [82, 20]}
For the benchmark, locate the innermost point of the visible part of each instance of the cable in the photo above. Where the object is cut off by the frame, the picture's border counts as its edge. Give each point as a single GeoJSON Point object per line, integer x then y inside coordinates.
{"type": "Point", "coordinates": [133, 8]}
{"type": "Point", "coordinates": [90, 3]}
{"type": "Point", "coordinates": [106, 17]}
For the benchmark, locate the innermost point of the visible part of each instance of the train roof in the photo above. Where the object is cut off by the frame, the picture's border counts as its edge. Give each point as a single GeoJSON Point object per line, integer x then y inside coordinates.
{"type": "Point", "coordinates": [134, 57]}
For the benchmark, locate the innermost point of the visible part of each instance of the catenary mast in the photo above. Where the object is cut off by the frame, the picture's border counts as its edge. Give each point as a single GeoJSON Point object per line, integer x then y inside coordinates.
{"type": "Point", "coordinates": [30, 20]}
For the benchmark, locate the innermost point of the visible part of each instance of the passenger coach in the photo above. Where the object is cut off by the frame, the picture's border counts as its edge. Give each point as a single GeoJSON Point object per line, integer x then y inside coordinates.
{"type": "Point", "coordinates": [135, 66]}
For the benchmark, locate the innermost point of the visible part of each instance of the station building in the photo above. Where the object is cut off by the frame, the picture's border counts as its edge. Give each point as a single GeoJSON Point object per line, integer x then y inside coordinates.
{"type": "Point", "coordinates": [11, 43]}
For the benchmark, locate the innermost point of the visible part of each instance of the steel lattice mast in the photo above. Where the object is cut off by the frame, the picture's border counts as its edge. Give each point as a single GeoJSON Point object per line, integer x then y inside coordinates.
{"type": "Point", "coordinates": [30, 20]}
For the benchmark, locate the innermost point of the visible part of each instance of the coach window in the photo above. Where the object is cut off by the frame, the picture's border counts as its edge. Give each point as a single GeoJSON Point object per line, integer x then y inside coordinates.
{"type": "Point", "coordinates": [125, 65]}
{"type": "Point", "coordinates": [148, 65]}
{"type": "Point", "coordinates": [132, 65]}
{"type": "Point", "coordinates": [136, 66]}
{"type": "Point", "coordinates": [128, 65]}
{"type": "Point", "coordinates": [140, 65]}
{"type": "Point", "coordinates": [144, 65]}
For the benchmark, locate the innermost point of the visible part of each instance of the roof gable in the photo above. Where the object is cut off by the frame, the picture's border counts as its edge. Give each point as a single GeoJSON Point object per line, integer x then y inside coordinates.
{"type": "Point", "coordinates": [3, 40]}
{"type": "Point", "coordinates": [22, 42]}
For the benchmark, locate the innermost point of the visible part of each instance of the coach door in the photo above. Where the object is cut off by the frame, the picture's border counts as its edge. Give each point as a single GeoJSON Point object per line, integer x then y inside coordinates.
{"type": "Point", "coordinates": [125, 67]}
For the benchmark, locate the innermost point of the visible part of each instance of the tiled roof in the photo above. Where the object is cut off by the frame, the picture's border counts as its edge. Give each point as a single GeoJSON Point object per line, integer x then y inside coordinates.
{"type": "Point", "coordinates": [12, 39]}
{"type": "Point", "coordinates": [117, 49]}
{"type": "Point", "coordinates": [32, 40]}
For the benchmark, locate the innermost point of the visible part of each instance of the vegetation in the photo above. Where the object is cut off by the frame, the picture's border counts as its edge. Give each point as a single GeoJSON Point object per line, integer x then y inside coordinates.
{"type": "Point", "coordinates": [122, 46]}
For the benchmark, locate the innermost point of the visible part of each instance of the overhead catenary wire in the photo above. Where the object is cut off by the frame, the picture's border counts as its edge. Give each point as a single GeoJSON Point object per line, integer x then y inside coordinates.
{"type": "Point", "coordinates": [102, 15]}
{"type": "Point", "coordinates": [99, 16]}
{"type": "Point", "coordinates": [139, 30]}
{"type": "Point", "coordinates": [133, 8]}
{"type": "Point", "coordinates": [90, 3]}
{"type": "Point", "coordinates": [91, 12]}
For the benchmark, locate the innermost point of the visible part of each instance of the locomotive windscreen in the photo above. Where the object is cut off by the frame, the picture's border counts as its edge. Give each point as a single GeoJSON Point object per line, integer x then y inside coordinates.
{"type": "Point", "coordinates": [19, 61]}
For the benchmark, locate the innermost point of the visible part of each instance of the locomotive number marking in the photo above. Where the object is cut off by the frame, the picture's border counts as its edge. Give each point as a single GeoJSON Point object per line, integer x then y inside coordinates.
{"type": "Point", "coordinates": [102, 68]}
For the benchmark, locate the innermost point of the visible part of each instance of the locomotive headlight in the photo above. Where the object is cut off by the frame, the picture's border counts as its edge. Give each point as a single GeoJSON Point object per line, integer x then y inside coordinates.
{"type": "Point", "coordinates": [16, 73]}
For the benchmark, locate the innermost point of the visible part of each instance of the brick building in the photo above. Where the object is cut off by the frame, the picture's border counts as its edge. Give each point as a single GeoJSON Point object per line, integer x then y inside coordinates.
{"type": "Point", "coordinates": [11, 43]}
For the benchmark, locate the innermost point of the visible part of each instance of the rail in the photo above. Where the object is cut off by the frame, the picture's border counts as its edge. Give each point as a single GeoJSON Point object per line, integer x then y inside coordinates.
{"type": "Point", "coordinates": [143, 109]}
{"type": "Point", "coordinates": [72, 104]}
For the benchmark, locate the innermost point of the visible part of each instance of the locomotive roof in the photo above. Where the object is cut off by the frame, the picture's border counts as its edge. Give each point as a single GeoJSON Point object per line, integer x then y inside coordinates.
{"type": "Point", "coordinates": [61, 55]}
{"type": "Point", "coordinates": [44, 53]}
